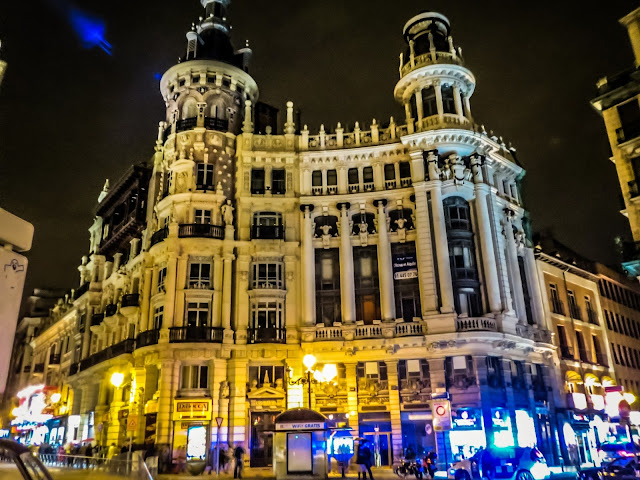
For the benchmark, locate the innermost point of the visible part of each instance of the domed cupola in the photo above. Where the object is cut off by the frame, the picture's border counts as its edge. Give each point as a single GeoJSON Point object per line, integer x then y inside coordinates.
{"type": "Point", "coordinates": [434, 85]}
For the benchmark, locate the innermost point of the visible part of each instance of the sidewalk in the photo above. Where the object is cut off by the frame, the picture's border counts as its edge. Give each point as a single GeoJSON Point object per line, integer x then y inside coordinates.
{"type": "Point", "coordinates": [382, 473]}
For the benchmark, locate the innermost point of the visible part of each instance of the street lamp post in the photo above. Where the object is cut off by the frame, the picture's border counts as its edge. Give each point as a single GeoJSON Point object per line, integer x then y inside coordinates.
{"type": "Point", "coordinates": [327, 374]}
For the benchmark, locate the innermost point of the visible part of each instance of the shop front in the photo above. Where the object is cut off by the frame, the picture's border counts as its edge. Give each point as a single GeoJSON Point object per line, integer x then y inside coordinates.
{"type": "Point", "coordinates": [191, 428]}
{"type": "Point", "coordinates": [502, 428]}
{"type": "Point", "coordinates": [261, 438]}
{"type": "Point", "coordinates": [57, 430]}
{"type": "Point", "coordinates": [467, 432]}
{"type": "Point", "coordinates": [376, 427]}
{"type": "Point", "coordinates": [417, 433]}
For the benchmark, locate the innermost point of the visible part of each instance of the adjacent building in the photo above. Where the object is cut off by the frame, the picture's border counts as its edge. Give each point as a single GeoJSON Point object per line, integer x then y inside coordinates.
{"type": "Point", "coordinates": [394, 251]}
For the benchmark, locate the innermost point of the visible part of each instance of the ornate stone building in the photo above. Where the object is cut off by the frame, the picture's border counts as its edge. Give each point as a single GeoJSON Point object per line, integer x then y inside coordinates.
{"type": "Point", "coordinates": [396, 251]}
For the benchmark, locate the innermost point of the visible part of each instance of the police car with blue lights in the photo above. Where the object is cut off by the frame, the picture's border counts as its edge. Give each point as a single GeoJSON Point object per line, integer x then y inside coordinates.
{"type": "Point", "coordinates": [519, 463]}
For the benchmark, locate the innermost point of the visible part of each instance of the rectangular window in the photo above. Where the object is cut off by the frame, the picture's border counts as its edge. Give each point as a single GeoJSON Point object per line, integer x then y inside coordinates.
{"type": "Point", "coordinates": [525, 291]}
{"type": "Point", "coordinates": [353, 176]}
{"type": "Point", "coordinates": [278, 186]}
{"type": "Point", "coordinates": [365, 262]}
{"type": "Point", "coordinates": [316, 178]}
{"type": "Point", "coordinates": [267, 275]}
{"type": "Point", "coordinates": [389, 172]}
{"type": "Point", "coordinates": [158, 316]}
{"type": "Point", "coordinates": [494, 372]}
{"type": "Point", "coordinates": [266, 375]}
{"type": "Point", "coordinates": [405, 170]}
{"type": "Point", "coordinates": [197, 314]}
{"type": "Point", "coordinates": [204, 177]}
{"type": "Point", "coordinates": [328, 302]}
{"type": "Point", "coordinates": [556, 303]}
{"type": "Point", "coordinates": [367, 174]}
{"type": "Point", "coordinates": [332, 178]}
{"type": "Point", "coordinates": [267, 315]}
{"type": "Point", "coordinates": [448, 102]}
{"type": "Point", "coordinates": [200, 275]}
{"type": "Point", "coordinates": [162, 275]}
{"type": "Point", "coordinates": [257, 181]}
{"type": "Point", "coordinates": [406, 284]}
{"type": "Point", "coordinates": [459, 372]}
{"type": "Point", "coordinates": [202, 216]}
{"type": "Point", "coordinates": [194, 377]}
{"type": "Point", "coordinates": [429, 101]}
{"type": "Point", "coordinates": [574, 309]}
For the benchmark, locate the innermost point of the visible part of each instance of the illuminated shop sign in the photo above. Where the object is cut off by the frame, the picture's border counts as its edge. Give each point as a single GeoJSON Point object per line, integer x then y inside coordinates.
{"type": "Point", "coordinates": [598, 402]}
{"type": "Point", "coordinates": [579, 401]}
{"type": "Point", "coordinates": [192, 409]}
{"type": "Point", "coordinates": [404, 266]}
{"type": "Point", "coordinates": [301, 426]}
{"type": "Point", "coordinates": [500, 419]}
{"type": "Point", "coordinates": [467, 419]}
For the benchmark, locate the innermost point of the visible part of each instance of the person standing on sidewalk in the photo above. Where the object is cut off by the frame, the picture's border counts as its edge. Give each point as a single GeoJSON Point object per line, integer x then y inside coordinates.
{"type": "Point", "coordinates": [238, 454]}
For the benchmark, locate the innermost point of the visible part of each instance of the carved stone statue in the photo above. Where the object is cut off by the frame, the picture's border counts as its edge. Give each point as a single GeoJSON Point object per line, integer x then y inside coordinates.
{"type": "Point", "coordinates": [227, 212]}
{"type": "Point", "coordinates": [402, 232]}
{"type": "Point", "coordinates": [434, 171]}
{"type": "Point", "coordinates": [326, 235]}
{"type": "Point", "coordinates": [364, 233]}
{"type": "Point", "coordinates": [476, 168]}
{"type": "Point", "coordinates": [224, 389]}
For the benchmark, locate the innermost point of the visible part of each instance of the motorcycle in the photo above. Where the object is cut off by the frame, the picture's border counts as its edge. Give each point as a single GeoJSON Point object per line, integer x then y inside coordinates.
{"type": "Point", "coordinates": [409, 467]}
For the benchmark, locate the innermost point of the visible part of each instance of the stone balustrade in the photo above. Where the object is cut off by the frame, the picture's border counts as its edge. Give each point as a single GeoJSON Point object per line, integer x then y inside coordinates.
{"type": "Point", "coordinates": [480, 324]}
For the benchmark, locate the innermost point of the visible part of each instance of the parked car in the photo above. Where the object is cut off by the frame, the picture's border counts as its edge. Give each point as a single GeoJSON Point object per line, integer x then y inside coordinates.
{"type": "Point", "coordinates": [621, 468]}
{"type": "Point", "coordinates": [17, 462]}
{"type": "Point", "coordinates": [518, 463]}
{"type": "Point", "coordinates": [610, 451]}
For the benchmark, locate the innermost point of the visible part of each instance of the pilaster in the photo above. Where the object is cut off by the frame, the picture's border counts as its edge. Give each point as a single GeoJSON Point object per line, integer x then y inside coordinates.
{"type": "Point", "coordinates": [347, 284]}
{"type": "Point", "coordinates": [394, 409]}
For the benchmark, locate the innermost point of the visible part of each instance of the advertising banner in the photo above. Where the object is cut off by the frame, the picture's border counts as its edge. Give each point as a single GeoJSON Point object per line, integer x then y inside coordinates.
{"type": "Point", "coordinates": [405, 266]}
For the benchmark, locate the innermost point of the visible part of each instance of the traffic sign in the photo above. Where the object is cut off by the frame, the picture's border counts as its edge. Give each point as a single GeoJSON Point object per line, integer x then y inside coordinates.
{"type": "Point", "coordinates": [219, 421]}
{"type": "Point", "coordinates": [132, 423]}
{"type": "Point", "coordinates": [441, 415]}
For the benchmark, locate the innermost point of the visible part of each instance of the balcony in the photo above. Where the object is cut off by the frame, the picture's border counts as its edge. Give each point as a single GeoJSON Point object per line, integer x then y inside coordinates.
{"type": "Point", "coordinates": [317, 190]}
{"type": "Point", "coordinates": [196, 334]}
{"type": "Point", "coordinates": [186, 124]}
{"type": "Point", "coordinates": [145, 339]}
{"type": "Point", "coordinates": [575, 312]}
{"type": "Point", "coordinates": [74, 368]}
{"type": "Point", "coordinates": [82, 289]}
{"type": "Point", "coordinates": [566, 352]}
{"type": "Point", "coordinates": [602, 360]}
{"type": "Point", "coordinates": [332, 190]}
{"type": "Point", "coordinates": [480, 324]}
{"type": "Point", "coordinates": [628, 132]}
{"type": "Point", "coordinates": [405, 182]}
{"type": "Point", "coordinates": [368, 186]}
{"type": "Point", "coordinates": [584, 355]}
{"type": "Point", "coordinates": [592, 316]}
{"type": "Point", "coordinates": [390, 184]}
{"type": "Point", "coordinates": [130, 300]}
{"type": "Point", "coordinates": [110, 310]}
{"type": "Point", "coordinates": [199, 284]}
{"type": "Point", "coordinates": [368, 331]}
{"type": "Point", "coordinates": [201, 230]}
{"type": "Point", "coordinates": [205, 187]}
{"type": "Point", "coordinates": [267, 232]}
{"type": "Point", "coordinates": [96, 319]}
{"type": "Point", "coordinates": [159, 236]}
{"type": "Point", "coordinates": [38, 368]}
{"type": "Point", "coordinates": [220, 124]}
{"type": "Point", "coordinates": [266, 335]}
{"type": "Point", "coordinates": [557, 306]}
{"type": "Point", "coordinates": [409, 329]}
{"type": "Point", "coordinates": [124, 347]}
{"type": "Point", "coordinates": [54, 359]}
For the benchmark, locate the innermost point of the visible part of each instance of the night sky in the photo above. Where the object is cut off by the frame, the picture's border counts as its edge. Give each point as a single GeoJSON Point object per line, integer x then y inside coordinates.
{"type": "Point", "coordinates": [71, 116]}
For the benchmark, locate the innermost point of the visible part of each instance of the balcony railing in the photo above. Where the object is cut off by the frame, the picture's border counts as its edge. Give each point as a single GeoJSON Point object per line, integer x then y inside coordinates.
{"type": "Point", "coordinates": [405, 182]}
{"type": "Point", "coordinates": [266, 335]}
{"type": "Point", "coordinates": [200, 283]}
{"type": "Point", "coordinates": [476, 325]}
{"type": "Point", "coordinates": [584, 355]}
{"type": "Point", "coordinates": [557, 306]}
{"type": "Point", "coordinates": [124, 347]}
{"type": "Point", "coordinates": [220, 124]}
{"type": "Point", "coordinates": [196, 334]}
{"type": "Point", "coordinates": [407, 329]}
{"type": "Point", "coordinates": [186, 124]}
{"type": "Point", "coordinates": [54, 359]}
{"type": "Point", "coordinates": [145, 339]}
{"type": "Point", "coordinates": [368, 331]}
{"type": "Point", "coordinates": [592, 316]}
{"type": "Point", "coordinates": [207, 187]}
{"type": "Point", "coordinates": [329, 333]}
{"type": "Point", "coordinates": [82, 289]}
{"type": "Point", "coordinates": [267, 232]}
{"type": "Point", "coordinates": [159, 236]}
{"type": "Point", "coordinates": [628, 132]}
{"type": "Point", "coordinates": [74, 368]}
{"type": "Point", "coordinates": [201, 230]}
{"type": "Point", "coordinates": [130, 300]}
{"type": "Point", "coordinates": [111, 310]}
{"type": "Point", "coordinates": [96, 319]}
{"type": "Point", "coordinates": [575, 312]}
{"type": "Point", "coordinates": [602, 360]}
{"type": "Point", "coordinates": [38, 368]}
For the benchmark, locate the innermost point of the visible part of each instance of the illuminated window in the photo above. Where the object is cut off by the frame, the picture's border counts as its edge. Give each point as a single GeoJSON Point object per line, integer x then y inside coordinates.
{"type": "Point", "coordinates": [365, 262]}
{"type": "Point", "coordinates": [328, 300]}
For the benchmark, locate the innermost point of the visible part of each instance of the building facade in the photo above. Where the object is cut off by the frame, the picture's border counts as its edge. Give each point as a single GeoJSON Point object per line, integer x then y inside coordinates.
{"type": "Point", "coordinates": [396, 252]}
{"type": "Point", "coordinates": [618, 102]}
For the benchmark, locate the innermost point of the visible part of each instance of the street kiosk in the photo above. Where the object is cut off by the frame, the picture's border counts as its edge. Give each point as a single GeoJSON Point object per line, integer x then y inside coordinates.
{"type": "Point", "coordinates": [300, 445]}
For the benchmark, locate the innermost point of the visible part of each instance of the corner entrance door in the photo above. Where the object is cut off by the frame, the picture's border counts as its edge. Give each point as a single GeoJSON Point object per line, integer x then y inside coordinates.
{"type": "Point", "coordinates": [381, 443]}
{"type": "Point", "coordinates": [261, 454]}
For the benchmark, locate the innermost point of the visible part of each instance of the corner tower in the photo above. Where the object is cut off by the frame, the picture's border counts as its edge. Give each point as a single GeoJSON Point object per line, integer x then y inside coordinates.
{"type": "Point", "coordinates": [208, 91]}
{"type": "Point", "coordinates": [434, 87]}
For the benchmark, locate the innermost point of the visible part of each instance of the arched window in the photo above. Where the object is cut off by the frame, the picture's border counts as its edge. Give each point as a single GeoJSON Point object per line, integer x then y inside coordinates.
{"type": "Point", "coordinates": [448, 101]}
{"type": "Point", "coordinates": [429, 102]}
{"type": "Point", "coordinates": [464, 270]}
{"type": "Point", "coordinates": [189, 109]}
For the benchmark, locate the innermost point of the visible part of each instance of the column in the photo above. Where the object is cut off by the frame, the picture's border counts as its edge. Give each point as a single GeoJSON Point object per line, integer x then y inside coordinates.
{"type": "Point", "coordinates": [216, 314]}
{"type": "Point", "coordinates": [113, 434]}
{"type": "Point", "coordinates": [145, 299]}
{"type": "Point", "coordinates": [352, 395]}
{"type": "Point", "coordinates": [467, 107]}
{"type": "Point", "coordinates": [458, 100]}
{"type": "Point", "coordinates": [442, 247]}
{"type": "Point", "coordinates": [170, 291]}
{"type": "Point", "coordinates": [419, 105]}
{"type": "Point", "coordinates": [101, 409]}
{"type": "Point", "coordinates": [347, 284]}
{"type": "Point", "coordinates": [360, 179]}
{"type": "Point", "coordinates": [437, 375]}
{"type": "Point", "coordinates": [323, 172]}
{"type": "Point", "coordinates": [394, 409]}
{"type": "Point", "coordinates": [514, 268]}
{"type": "Point", "coordinates": [167, 383]}
{"type": "Point", "coordinates": [437, 86]}
{"type": "Point", "coordinates": [308, 268]}
{"type": "Point", "coordinates": [180, 286]}
{"type": "Point", "coordinates": [226, 290]}
{"type": "Point", "coordinates": [487, 248]}
{"type": "Point", "coordinates": [385, 266]}
{"type": "Point", "coordinates": [267, 178]}
{"type": "Point", "coordinates": [237, 372]}
{"type": "Point", "coordinates": [86, 336]}
{"type": "Point", "coordinates": [537, 305]}
{"type": "Point", "coordinates": [424, 253]}
{"type": "Point", "coordinates": [139, 399]}
{"type": "Point", "coordinates": [342, 179]}
{"type": "Point", "coordinates": [407, 111]}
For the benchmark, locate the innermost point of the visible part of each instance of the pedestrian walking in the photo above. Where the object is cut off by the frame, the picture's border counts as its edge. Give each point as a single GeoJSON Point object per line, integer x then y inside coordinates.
{"type": "Point", "coordinates": [238, 455]}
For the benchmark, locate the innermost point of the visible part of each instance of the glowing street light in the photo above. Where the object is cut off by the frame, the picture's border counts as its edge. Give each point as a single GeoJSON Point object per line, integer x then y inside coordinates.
{"type": "Point", "coordinates": [55, 398]}
{"type": "Point", "coordinates": [309, 361]}
{"type": "Point", "coordinates": [326, 375]}
{"type": "Point", "coordinates": [116, 379]}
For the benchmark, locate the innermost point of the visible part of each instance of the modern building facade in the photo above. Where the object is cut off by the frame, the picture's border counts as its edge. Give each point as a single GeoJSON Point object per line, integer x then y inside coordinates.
{"type": "Point", "coordinates": [618, 102]}
{"type": "Point", "coordinates": [396, 252]}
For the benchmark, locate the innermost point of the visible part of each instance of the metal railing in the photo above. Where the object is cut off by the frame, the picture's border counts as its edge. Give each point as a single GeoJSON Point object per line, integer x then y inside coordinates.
{"type": "Point", "coordinates": [212, 123]}
{"type": "Point", "coordinates": [476, 325]}
{"type": "Point", "coordinates": [124, 347]}
{"type": "Point", "coordinates": [159, 236]}
{"type": "Point", "coordinates": [82, 289]}
{"type": "Point", "coordinates": [267, 232]}
{"type": "Point", "coordinates": [566, 352]}
{"type": "Point", "coordinates": [96, 319]}
{"type": "Point", "coordinates": [266, 335]}
{"type": "Point", "coordinates": [628, 132]}
{"type": "Point", "coordinates": [130, 300]}
{"type": "Point", "coordinates": [38, 368]}
{"type": "Point", "coordinates": [121, 464]}
{"type": "Point", "coordinates": [110, 310]}
{"type": "Point", "coordinates": [592, 316]}
{"type": "Point", "coordinates": [201, 230]}
{"type": "Point", "coordinates": [186, 124]}
{"type": "Point", "coordinates": [557, 306]}
{"type": "Point", "coordinates": [196, 334]}
{"type": "Point", "coordinates": [574, 312]}
{"type": "Point", "coordinates": [54, 359]}
{"type": "Point", "coordinates": [145, 339]}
